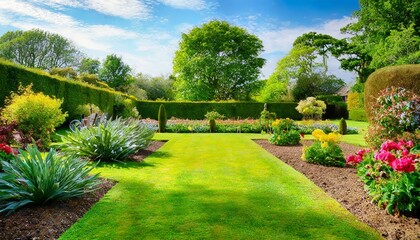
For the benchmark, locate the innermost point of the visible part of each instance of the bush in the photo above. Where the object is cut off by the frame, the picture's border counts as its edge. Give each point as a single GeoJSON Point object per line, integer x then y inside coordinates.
{"type": "Point", "coordinates": [88, 109]}
{"type": "Point", "coordinates": [324, 150]}
{"type": "Point", "coordinates": [311, 108]}
{"type": "Point", "coordinates": [285, 138]}
{"type": "Point", "coordinates": [396, 116]}
{"type": "Point", "coordinates": [111, 140]}
{"type": "Point", "coordinates": [355, 101]}
{"type": "Point", "coordinates": [162, 118]}
{"type": "Point", "coordinates": [32, 178]}
{"type": "Point", "coordinates": [336, 111]}
{"type": "Point", "coordinates": [330, 99]}
{"type": "Point", "coordinates": [6, 131]}
{"type": "Point", "coordinates": [391, 176]}
{"type": "Point", "coordinates": [36, 114]}
{"type": "Point", "coordinates": [358, 115]}
{"type": "Point", "coordinates": [342, 126]}
{"type": "Point", "coordinates": [125, 107]}
{"type": "Point", "coordinates": [405, 76]}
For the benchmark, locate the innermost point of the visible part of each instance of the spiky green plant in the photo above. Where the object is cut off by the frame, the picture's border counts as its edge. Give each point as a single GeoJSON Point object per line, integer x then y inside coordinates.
{"type": "Point", "coordinates": [111, 140]}
{"type": "Point", "coordinates": [38, 178]}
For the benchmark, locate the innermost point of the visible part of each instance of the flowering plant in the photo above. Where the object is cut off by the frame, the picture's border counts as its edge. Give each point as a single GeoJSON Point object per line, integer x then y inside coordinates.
{"type": "Point", "coordinates": [6, 153]}
{"type": "Point", "coordinates": [284, 133]}
{"type": "Point", "coordinates": [391, 175]}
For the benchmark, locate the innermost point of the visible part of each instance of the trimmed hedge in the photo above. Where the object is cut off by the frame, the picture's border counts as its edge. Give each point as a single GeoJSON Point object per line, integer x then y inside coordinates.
{"type": "Point", "coordinates": [358, 115]}
{"type": "Point", "coordinates": [197, 110]}
{"type": "Point", "coordinates": [73, 93]}
{"type": "Point", "coordinates": [405, 76]}
{"type": "Point", "coordinates": [330, 99]}
{"type": "Point", "coordinates": [336, 111]}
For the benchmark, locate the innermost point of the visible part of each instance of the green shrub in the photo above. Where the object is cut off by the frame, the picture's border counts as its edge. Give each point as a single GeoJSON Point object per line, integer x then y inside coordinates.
{"type": "Point", "coordinates": [111, 140]}
{"type": "Point", "coordinates": [405, 76]}
{"type": "Point", "coordinates": [212, 124]}
{"type": "Point", "coordinates": [36, 114]}
{"type": "Point", "coordinates": [125, 107]}
{"type": "Point", "coordinates": [355, 101]}
{"type": "Point", "coordinates": [285, 138]}
{"type": "Point", "coordinates": [358, 115]}
{"type": "Point", "coordinates": [88, 109]}
{"type": "Point", "coordinates": [336, 111]}
{"type": "Point", "coordinates": [330, 99]}
{"type": "Point", "coordinates": [311, 108]}
{"type": "Point", "coordinates": [32, 178]}
{"type": "Point", "coordinates": [342, 126]}
{"type": "Point", "coordinates": [162, 118]}
{"type": "Point", "coordinates": [324, 150]}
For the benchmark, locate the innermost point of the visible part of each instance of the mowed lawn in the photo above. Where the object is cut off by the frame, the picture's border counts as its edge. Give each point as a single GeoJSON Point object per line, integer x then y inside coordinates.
{"type": "Point", "coordinates": [214, 186]}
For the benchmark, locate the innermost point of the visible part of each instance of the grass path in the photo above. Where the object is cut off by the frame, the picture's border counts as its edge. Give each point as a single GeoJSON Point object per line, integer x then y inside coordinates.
{"type": "Point", "coordinates": [214, 186]}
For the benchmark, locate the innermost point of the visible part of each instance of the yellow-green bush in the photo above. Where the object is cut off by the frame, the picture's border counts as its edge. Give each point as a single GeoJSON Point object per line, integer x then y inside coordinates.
{"type": "Point", "coordinates": [405, 76]}
{"type": "Point", "coordinates": [36, 114]}
{"type": "Point", "coordinates": [125, 107]}
{"type": "Point", "coordinates": [355, 100]}
{"type": "Point", "coordinates": [87, 109]}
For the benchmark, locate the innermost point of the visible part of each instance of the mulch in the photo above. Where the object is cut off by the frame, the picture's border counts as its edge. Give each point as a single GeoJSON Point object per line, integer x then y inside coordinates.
{"type": "Point", "coordinates": [344, 185]}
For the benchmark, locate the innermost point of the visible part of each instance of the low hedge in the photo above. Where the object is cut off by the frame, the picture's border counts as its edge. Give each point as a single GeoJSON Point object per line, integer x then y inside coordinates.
{"type": "Point", "coordinates": [358, 115]}
{"type": "Point", "coordinates": [74, 93]}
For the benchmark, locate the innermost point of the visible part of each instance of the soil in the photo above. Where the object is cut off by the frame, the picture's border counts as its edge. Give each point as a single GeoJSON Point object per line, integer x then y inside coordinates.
{"type": "Point", "coordinates": [50, 221]}
{"type": "Point", "coordinates": [344, 185]}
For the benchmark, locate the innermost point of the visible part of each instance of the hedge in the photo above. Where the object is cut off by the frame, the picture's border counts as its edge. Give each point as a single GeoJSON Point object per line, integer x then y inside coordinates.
{"type": "Point", "coordinates": [358, 115]}
{"type": "Point", "coordinates": [405, 76]}
{"type": "Point", "coordinates": [337, 110]}
{"type": "Point", "coordinates": [74, 93]}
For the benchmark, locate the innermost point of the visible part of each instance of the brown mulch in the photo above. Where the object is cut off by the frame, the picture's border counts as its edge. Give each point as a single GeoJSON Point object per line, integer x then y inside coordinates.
{"type": "Point", "coordinates": [50, 221]}
{"type": "Point", "coordinates": [344, 185]}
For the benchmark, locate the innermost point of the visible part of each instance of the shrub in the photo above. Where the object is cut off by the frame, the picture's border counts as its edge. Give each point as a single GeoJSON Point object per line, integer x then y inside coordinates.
{"type": "Point", "coordinates": [311, 108]}
{"type": "Point", "coordinates": [266, 119]}
{"type": "Point", "coordinates": [358, 115]}
{"type": "Point", "coordinates": [212, 117]}
{"type": "Point", "coordinates": [324, 150]}
{"type": "Point", "coordinates": [111, 140]}
{"type": "Point", "coordinates": [162, 118]}
{"type": "Point", "coordinates": [342, 126]}
{"type": "Point", "coordinates": [285, 138]}
{"type": "Point", "coordinates": [355, 101]}
{"type": "Point", "coordinates": [404, 76]}
{"type": "Point", "coordinates": [125, 107]}
{"type": "Point", "coordinates": [32, 178]}
{"type": "Point", "coordinates": [36, 114]}
{"type": "Point", "coordinates": [336, 111]}
{"type": "Point", "coordinates": [396, 113]}
{"type": "Point", "coordinates": [391, 176]}
{"type": "Point", "coordinates": [88, 109]}
{"type": "Point", "coordinates": [6, 131]}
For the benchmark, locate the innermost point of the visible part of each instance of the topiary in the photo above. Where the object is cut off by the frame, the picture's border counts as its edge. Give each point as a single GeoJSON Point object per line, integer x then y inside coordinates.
{"type": "Point", "coordinates": [212, 123]}
{"type": "Point", "coordinates": [162, 118]}
{"type": "Point", "coordinates": [342, 126]}
{"type": "Point", "coordinates": [405, 76]}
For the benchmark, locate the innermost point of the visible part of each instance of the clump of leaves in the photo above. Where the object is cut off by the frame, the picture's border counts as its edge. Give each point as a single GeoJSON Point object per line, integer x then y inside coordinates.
{"type": "Point", "coordinates": [33, 177]}
{"type": "Point", "coordinates": [111, 140]}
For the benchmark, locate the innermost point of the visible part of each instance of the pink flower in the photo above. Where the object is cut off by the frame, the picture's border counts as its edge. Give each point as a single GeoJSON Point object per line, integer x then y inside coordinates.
{"type": "Point", "coordinates": [390, 145]}
{"type": "Point", "coordinates": [409, 144]}
{"type": "Point", "coordinates": [385, 156]}
{"type": "Point", "coordinates": [5, 148]}
{"type": "Point", "coordinates": [404, 164]}
{"type": "Point", "coordinates": [353, 160]}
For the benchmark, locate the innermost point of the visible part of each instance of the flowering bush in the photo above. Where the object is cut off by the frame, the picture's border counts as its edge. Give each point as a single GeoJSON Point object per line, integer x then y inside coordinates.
{"type": "Point", "coordinates": [284, 133]}
{"type": "Point", "coordinates": [391, 175]}
{"type": "Point", "coordinates": [395, 115]}
{"type": "Point", "coordinates": [324, 150]}
{"type": "Point", "coordinates": [6, 153]}
{"type": "Point", "coordinates": [311, 108]}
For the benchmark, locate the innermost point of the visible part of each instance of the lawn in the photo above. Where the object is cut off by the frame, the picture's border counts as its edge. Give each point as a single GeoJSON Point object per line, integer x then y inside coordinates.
{"type": "Point", "coordinates": [214, 186]}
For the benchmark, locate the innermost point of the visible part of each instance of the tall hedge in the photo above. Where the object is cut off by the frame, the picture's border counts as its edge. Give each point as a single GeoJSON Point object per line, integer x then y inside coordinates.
{"type": "Point", "coordinates": [74, 93]}
{"type": "Point", "coordinates": [405, 76]}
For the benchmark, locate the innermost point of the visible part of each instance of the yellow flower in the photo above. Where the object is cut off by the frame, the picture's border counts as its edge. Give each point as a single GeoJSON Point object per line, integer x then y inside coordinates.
{"type": "Point", "coordinates": [333, 137]}
{"type": "Point", "coordinates": [324, 144]}
{"type": "Point", "coordinates": [318, 134]}
{"type": "Point", "coordinates": [190, 128]}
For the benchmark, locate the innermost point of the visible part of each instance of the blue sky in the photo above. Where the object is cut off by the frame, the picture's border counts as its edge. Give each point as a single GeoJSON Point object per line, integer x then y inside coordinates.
{"type": "Point", "coordinates": [146, 33]}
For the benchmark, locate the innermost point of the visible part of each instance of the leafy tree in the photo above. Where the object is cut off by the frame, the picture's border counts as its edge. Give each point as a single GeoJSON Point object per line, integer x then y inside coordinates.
{"type": "Point", "coordinates": [154, 87]}
{"type": "Point", "coordinates": [89, 66]}
{"type": "Point", "coordinates": [217, 61]}
{"type": "Point", "coordinates": [316, 84]}
{"type": "Point", "coordinates": [39, 49]}
{"type": "Point", "coordinates": [115, 72]}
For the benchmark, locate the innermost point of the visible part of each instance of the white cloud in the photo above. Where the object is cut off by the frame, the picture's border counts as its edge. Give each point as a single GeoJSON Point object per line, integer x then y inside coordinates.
{"type": "Point", "coordinates": [129, 9]}
{"type": "Point", "coordinates": [187, 4]}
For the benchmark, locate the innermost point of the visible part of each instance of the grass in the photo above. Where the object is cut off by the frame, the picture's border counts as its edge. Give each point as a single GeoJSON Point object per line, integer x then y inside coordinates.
{"type": "Point", "coordinates": [214, 186]}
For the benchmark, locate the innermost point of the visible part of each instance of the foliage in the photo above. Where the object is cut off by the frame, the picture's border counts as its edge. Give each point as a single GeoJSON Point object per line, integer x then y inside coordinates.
{"type": "Point", "coordinates": [284, 133]}
{"type": "Point", "coordinates": [406, 76]}
{"type": "Point", "coordinates": [391, 176]}
{"type": "Point", "coordinates": [89, 66]}
{"type": "Point", "coordinates": [88, 109]}
{"type": "Point", "coordinates": [115, 72]}
{"type": "Point", "coordinates": [311, 108]}
{"type": "Point", "coordinates": [316, 84]}
{"type": "Point", "coordinates": [6, 154]}
{"type": "Point", "coordinates": [73, 93]}
{"type": "Point", "coordinates": [395, 112]}
{"type": "Point", "coordinates": [6, 131]}
{"type": "Point", "coordinates": [36, 178]}
{"type": "Point", "coordinates": [125, 107]}
{"type": "Point", "coordinates": [39, 49]}
{"type": "Point", "coordinates": [214, 115]}
{"type": "Point", "coordinates": [324, 150]}
{"type": "Point", "coordinates": [111, 140]}
{"type": "Point", "coordinates": [358, 115]}
{"type": "Point", "coordinates": [94, 80]}
{"type": "Point", "coordinates": [212, 124]}
{"type": "Point", "coordinates": [330, 99]}
{"type": "Point", "coordinates": [355, 100]}
{"type": "Point", "coordinates": [67, 72]}
{"type": "Point", "coordinates": [342, 126]}
{"type": "Point", "coordinates": [152, 88]}
{"type": "Point", "coordinates": [37, 115]}
{"type": "Point", "coordinates": [266, 119]}
{"type": "Point", "coordinates": [162, 118]}
{"type": "Point", "coordinates": [217, 61]}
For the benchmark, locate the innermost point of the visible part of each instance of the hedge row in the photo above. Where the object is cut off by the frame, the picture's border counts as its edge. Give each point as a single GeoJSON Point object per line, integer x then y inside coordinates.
{"type": "Point", "coordinates": [358, 115]}
{"type": "Point", "coordinates": [74, 93]}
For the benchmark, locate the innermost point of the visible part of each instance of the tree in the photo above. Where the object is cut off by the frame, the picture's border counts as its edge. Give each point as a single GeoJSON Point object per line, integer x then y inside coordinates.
{"type": "Point", "coordinates": [89, 66]}
{"type": "Point", "coordinates": [115, 72]}
{"type": "Point", "coordinates": [217, 61]}
{"type": "Point", "coordinates": [154, 87]}
{"type": "Point", "coordinates": [39, 49]}
{"type": "Point", "coordinates": [316, 84]}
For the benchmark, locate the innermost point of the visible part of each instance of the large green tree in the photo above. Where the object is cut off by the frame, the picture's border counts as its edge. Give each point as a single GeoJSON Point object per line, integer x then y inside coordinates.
{"type": "Point", "coordinates": [155, 87]}
{"type": "Point", "coordinates": [89, 66]}
{"type": "Point", "coordinates": [115, 72]}
{"type": "Point", "coordinates": [39, 49]}
{"type": "Point", "coordinates": [217, 61]}
{"type": "Point", "coordinates": [315, 84]}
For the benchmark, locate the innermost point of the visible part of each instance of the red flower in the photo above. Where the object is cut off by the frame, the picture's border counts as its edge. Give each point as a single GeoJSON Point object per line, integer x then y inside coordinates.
{"type": "Point", "coordinates": [404, 164]}
{"type": "Point", "coordinates": [5, 148]}
{"type": "Point", "coordinates": [390, 145]}
{"type": "Point", "coordinates": [385, 156]}
{"type": "Point", "coordinates": [302, 135]}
